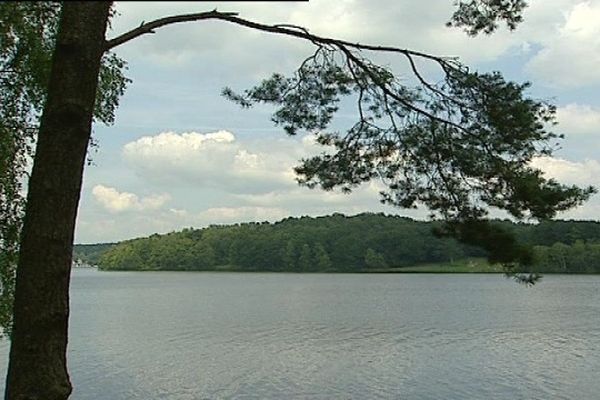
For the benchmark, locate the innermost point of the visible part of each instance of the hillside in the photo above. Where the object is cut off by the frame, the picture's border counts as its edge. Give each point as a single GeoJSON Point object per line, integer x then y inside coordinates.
{"type": "Point", "coordinates": [337, 243]}
{"type": "Point", "coordinates": [90, 253]}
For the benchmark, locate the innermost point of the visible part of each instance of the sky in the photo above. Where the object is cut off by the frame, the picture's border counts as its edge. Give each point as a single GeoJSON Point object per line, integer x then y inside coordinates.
{"type": "Point", "coordinates": [180, 155]}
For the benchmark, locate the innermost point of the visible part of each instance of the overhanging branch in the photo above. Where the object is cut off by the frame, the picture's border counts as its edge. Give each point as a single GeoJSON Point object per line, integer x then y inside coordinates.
{"type": "Point", "coordinates": [149, 27]}
{"type": "Point", "coordinates": [282, 29]}
{"type": "Point", "coordinates": [298, 32]}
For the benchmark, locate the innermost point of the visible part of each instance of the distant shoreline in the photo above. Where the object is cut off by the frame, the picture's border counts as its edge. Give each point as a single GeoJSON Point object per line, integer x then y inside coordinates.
{"type": "Point", "coordinates": [364, 243]}
{"type": "Point", "coordinates": [391, 272]}
{"type": "Point", "coordinates": [468, 267]}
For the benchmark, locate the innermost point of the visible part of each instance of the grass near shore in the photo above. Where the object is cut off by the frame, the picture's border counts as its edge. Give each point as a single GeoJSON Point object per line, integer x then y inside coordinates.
{"type": "Point", "coordinates": [475, 265]}
{"type": "Point", "coordinates": [471, 265]}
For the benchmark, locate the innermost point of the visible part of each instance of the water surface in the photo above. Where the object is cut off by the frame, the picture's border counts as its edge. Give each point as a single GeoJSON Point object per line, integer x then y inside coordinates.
{"type": "Point", "coordinates": [176, 336]}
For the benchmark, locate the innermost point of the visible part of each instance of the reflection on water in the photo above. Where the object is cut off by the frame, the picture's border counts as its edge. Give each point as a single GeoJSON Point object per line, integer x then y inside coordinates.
{"type": "Point", "coordinates": [331, 336]}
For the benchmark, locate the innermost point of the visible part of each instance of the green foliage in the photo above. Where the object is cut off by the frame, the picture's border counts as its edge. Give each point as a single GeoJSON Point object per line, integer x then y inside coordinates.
{"type": "Point", "coordinates": [90, 253]}
{"type": "Point", "coordinates": [27, 36]}
{"type": "Point", "coordinates": [346, 244]}
{"type": "Point", "coordinates": [483, 15]}
{"type": "Point", "coordinates": [111, 86]}
{"type": "Point", "coordinates": [500, 243]}
{"type": "Point", "coordinates": [25, 48]}
{"type": "Point", "coordinates": [288, 259]}
{"type": "Point", "coordinates": [374, 259]}
{"type": "Point", "coordinates": [305, 260]}
{"type": "Point", "coordinates": [335, 243]}
{"type": "Point", "coordinates": [322, 260]}
{"type": "Point", "coordinates": [580, 257]}
{"type": "Point", "coordinates": [471, 265]}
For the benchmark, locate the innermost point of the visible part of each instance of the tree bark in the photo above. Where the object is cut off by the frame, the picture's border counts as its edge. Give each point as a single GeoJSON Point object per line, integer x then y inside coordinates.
{"type": "Point", "coordinates": [37, 365]}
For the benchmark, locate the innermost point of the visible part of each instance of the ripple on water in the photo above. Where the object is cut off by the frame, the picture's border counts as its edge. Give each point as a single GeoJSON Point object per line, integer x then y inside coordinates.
{"type": "Point", "coordinates": [286, 336]}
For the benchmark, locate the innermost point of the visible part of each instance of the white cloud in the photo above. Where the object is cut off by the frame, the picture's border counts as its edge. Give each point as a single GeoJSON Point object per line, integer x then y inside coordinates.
{"type": "Point", "coordinates": [571, 54]}
{"type": "Point", "coordinates": [241, 214]}
{"type": "Point", "coordinates": [216, 160]}
{"type": "Point", "coordinates": [102, 227]}
{"type": "Point", "coordinates": [114, 201]}
{"type": "Point", "coordinates": [579, 120]}
{"type": "Point", "coordinates": [179, 212]}
{"type": "Point", "coordinates": [583, 20]}
{"type": "Point", "coordinates": [569, 172]}
{"type": "Point", "coordinates": [315, 199]}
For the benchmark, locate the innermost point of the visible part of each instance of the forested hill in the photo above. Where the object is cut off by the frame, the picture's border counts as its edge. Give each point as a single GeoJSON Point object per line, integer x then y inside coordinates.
{"type": "Point", "coordinates": [336, 243]}
{"type": "Point", "coordinates": [91, 253]}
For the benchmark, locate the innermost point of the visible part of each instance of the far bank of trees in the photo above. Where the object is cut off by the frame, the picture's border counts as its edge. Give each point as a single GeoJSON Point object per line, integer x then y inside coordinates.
{"type": "Point", "coordinates": [334, 243]}
{"type": "Point", "coordinates": [579, 258]}
{"type": "Point", "coordinates": [338, 243]}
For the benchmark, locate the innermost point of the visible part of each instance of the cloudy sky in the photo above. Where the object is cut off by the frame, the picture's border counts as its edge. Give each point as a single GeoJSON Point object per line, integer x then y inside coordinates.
{"type": "Point", "coordinates": [180, 155]}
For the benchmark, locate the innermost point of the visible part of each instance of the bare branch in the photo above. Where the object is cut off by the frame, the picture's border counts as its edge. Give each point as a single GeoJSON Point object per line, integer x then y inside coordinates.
{"type": "Point", "coordinates": [300, 28]}
{"type": "Point", "coordinates": [283, 29]}
{"type": "Point", "coordinates": [150, 27]}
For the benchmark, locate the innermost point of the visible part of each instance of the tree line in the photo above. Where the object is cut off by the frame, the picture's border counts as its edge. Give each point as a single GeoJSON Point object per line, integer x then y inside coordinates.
{"type": "Point", "coordinates": [338, 243]}
{"type": "Point", "coordinates": [580, 257]}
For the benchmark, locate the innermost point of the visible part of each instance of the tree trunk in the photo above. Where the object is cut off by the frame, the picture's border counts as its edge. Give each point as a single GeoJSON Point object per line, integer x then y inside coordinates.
{"type": "Point", "coordinates": [37, 366]}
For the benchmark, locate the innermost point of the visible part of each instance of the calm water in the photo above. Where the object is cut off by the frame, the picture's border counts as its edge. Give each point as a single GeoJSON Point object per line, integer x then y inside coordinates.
{"type": "Point", "coordinates": [332, 336]}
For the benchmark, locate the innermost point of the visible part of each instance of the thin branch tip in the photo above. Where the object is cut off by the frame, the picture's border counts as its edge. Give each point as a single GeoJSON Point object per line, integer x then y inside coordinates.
{"type": "Point", "coordinates": [225, 13]}
{"type": "Point", "coordinates": [292, 26]}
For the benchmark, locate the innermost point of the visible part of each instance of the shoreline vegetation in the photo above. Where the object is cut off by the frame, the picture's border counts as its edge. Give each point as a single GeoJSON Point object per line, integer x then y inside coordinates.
{"type": "Point", "coordinates": [364, 243]}
{"type": "Point", "coordinates": [480, 266]}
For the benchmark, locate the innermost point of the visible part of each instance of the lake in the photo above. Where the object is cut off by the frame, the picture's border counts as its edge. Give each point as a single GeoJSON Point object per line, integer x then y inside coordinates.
{"type": "Point", "coordinates": [177, 335]}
